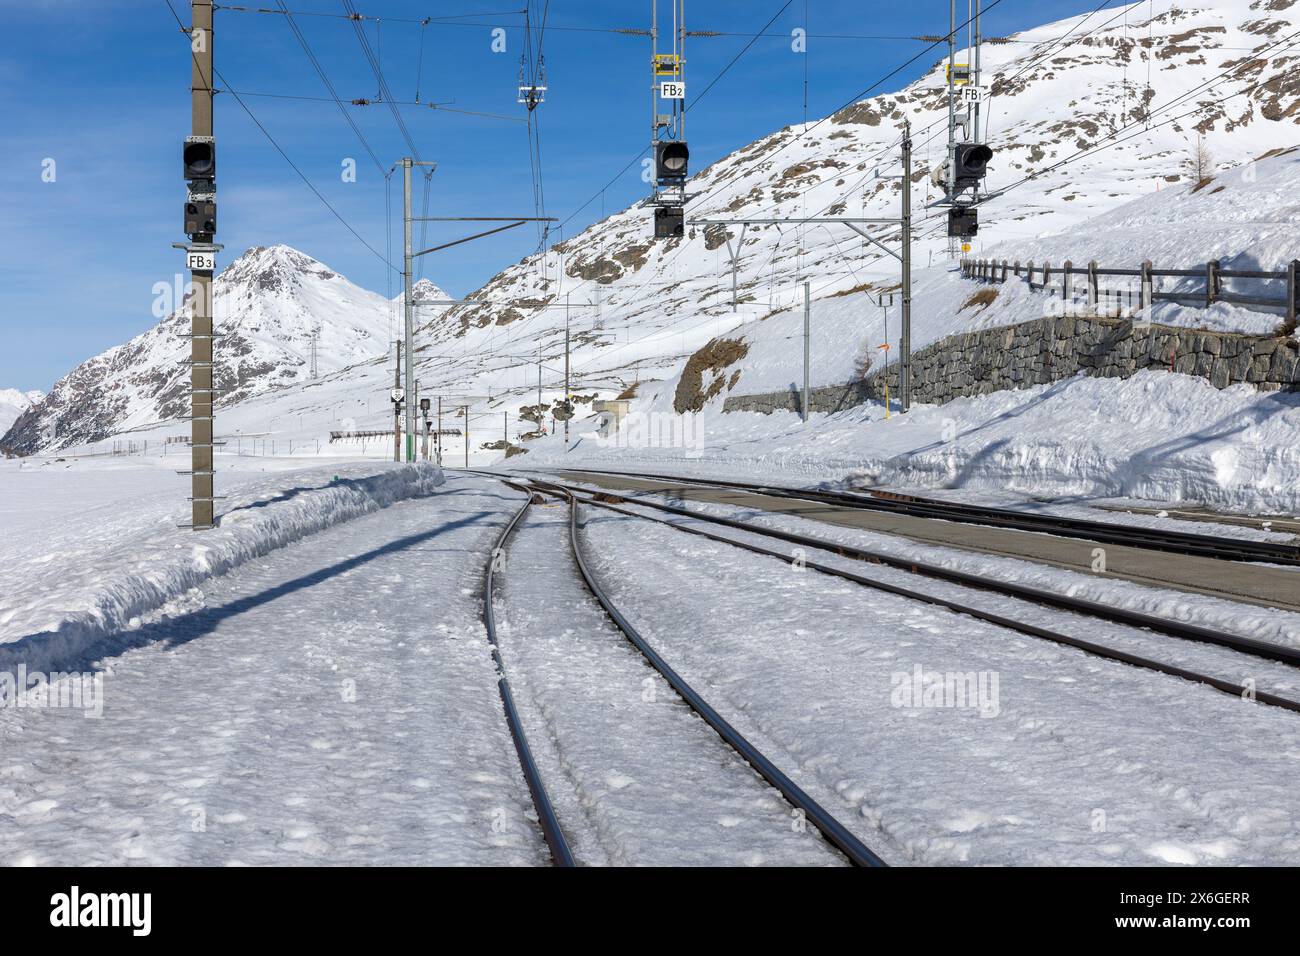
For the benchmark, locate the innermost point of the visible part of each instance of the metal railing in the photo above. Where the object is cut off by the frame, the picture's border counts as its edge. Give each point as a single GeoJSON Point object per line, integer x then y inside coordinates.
{"type": "Point", "coordinates": [1065, 278]}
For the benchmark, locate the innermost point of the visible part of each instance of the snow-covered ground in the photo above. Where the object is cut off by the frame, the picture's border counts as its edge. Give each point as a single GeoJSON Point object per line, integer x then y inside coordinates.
{"type": "Point", "coordinates": [1072, 760]}
{"type": "Point", "coordinates": [636, 777]}
{"type": "Point", "coordinates": [1158, 436]}
{"type": "Point", "coordinates": [331, 703]}
{"type": "Point", "coordinates": [91, 546]}
{"type": "Point", "coordinates": [334, 702]}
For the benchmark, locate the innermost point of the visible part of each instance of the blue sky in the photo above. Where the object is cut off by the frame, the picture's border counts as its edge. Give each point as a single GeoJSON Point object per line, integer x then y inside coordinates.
{"type": "Point", "coordinates": [102, 89]}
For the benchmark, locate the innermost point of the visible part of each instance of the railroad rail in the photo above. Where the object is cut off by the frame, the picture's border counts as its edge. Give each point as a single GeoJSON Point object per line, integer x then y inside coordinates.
{"type": "Point", "coordinates": [1205, 635]}
{"type": "Point", "coordinates": [831, 829]}
{"type": "Point", "coordinates": [561, 855]}
{"type": "Point", "coordinates": [1152, 539]}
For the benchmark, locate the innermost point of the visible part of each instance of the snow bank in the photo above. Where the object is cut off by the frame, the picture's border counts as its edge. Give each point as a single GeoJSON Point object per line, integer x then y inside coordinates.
{"type": "Point", "coordinates": [1158, 436]}
{"type": "Point", "coordinates": [78, 580]}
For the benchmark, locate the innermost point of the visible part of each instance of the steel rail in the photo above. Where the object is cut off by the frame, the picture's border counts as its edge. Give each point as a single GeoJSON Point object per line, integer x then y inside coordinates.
{"type": "Point", "coordinates": [1031, 630]}
{"type": "Point", "coordinates": [1181, 542]}
{"type": "Point", "coordinates": [561, 855]}
{"type": "Point", "coordinates": [834, 831]}
{"type": "Point", "coordinates": [1137, 619]}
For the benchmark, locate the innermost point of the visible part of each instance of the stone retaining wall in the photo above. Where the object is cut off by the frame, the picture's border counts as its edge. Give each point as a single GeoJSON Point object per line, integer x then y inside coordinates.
{"type": "Point", "coordinates": [1047, 350]}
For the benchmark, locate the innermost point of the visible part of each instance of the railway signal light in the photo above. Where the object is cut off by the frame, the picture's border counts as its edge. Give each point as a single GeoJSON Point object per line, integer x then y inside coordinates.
{"type": "Point", "coordinates": [671, 158]}
{"type": "Point", "coordinates": [963, 222]}
{"type": "Point", "coordinates": [670, 222]}
{"type": "Point", "coordinates": [972, 161]}
{"type": "Point", "coordinates": [200, 158]}
{"type": "Point", "coordinates": [200, 217]}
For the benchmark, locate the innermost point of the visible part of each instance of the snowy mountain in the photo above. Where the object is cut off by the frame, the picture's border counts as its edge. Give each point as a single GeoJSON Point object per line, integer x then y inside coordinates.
{"type": "Point", "coordinates": [1121, 98]}
{"type": "Point", "coordinates": [1086, 115]}
{"type": "Point", "coordinates": [423, 292]}
{"type": "Point", "coordinates": [269, 305]}
{"type": "Point", "coordinates": [13, 403]}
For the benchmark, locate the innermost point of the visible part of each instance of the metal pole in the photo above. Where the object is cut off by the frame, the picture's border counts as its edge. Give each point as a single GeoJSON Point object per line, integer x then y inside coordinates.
{"type": "Point", "coordinates": [505, 428]}
{"type": "Point", "coordinates": [465, 408]}
{"type": "Point", "coordinates": [407, 311]}
{"type": "Point", "coordinates": [397, 406]}
{"type": "Point", "coordinates": [540, 422]}
{"type": "Point", "coordinates": [952, 106]}
{"type": "Point", "coordinates": [734, 264]}
{"type": "Point", "coordinates": [568, 406]}
{"type": "Point", "coordinates": [807, 325]}
{"type": "Point", "coordinates": [905, 349]}
{"type": "Point", "coordinates": [202, 379]}
{"type": "Point", "coordinates": [654, 81]}
{"type": "Point", "coordinates": [975, 77]}
{"type": "Point", "coordinates": [437, 439]}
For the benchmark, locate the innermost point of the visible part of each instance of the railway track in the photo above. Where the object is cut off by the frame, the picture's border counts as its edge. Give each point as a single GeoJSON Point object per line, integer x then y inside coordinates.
{"type": "Point", "coordinates": [618, 504]}
{"type": "Point", "coordinates": [831, 829]}
{"type": "Point", "coordinates": [1153, 539]}
{"type": "Point", "coordinates": [561, 855]}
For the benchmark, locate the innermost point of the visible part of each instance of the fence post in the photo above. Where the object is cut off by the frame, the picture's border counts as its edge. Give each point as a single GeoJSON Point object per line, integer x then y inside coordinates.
{"type": "Point", "coordinates": [1211, 282]}
{"type": "Point", "coordinates": [1047, 279]}
{"type": "Point", "coordinates": [1067, 279]}
{"type": "Point", "coordinates": [1093, 295]}
{"type": "Point", "coordinates": [1291, 290]}
{"type": "Point", "coordinates": [1147, 293]}
{"type": "Point", "coordinates": [1004, 270]}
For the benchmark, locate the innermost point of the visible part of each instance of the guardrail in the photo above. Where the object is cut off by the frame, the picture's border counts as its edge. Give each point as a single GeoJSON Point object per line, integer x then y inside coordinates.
{"type": "Point", "coordinates": [386, 433]}
{"type": "Point", "coordinates": [1065, 277]}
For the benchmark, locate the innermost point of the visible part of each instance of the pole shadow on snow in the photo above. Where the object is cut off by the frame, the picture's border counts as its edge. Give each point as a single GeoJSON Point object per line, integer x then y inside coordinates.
{"type": "Point", "coordinates": [184, 628]}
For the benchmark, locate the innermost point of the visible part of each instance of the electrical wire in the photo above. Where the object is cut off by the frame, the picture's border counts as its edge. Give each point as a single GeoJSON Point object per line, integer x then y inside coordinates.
{"type": "Point", "coordinates": [278, 148]}
{"type": "Point", "coordinates": [384, 92]}
{"type": "Point", "coordinates": [320, 71]}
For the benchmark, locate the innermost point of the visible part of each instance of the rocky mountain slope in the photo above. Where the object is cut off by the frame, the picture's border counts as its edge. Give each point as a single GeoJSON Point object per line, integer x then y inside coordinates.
{"type": "Point", "coordinates": [269, 304]}
{"type": "Point", "coordinates": [1086, 115]}
{"type": "Point", "coordinates": [13, 403]}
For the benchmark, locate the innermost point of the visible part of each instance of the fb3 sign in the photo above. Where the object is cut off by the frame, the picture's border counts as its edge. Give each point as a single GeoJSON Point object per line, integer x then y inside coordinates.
{"type": "Point", "coordinates": [201, 261]}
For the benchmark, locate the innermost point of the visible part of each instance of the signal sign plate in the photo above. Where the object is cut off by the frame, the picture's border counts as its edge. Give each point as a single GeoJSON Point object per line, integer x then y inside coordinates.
{"type": "Point", "coordinates": [974, 94]}
{"type": "Point", "coordinates": [672, 90]}
{"type": "Point", "coordinates": [201, 261]}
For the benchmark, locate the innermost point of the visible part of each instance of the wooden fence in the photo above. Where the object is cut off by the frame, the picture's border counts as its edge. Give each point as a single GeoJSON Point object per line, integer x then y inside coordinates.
{"type": "Point", "coordinates": [1064, 279]}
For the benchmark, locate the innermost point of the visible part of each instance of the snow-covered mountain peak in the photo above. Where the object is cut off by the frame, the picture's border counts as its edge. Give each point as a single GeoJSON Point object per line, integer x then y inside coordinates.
{"type": "Point", "coordinates": [13, 402]}
{"type": "Point", "coordinates": [275, 308]}
{"type": "Point", "coordinates": [422, 290]}
{"type": "Point", "coordinates": [277, 269]}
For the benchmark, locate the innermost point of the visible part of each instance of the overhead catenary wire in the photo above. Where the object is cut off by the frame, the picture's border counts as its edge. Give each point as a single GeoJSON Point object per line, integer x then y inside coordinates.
{"type": "Point", "coordinates": [362, 102]}
{"type": "Point", "coordinates": [320, 71]}
{"type": "Point", "coordinates": [1109, 140]}
{"type": "Point", "coordinates": [634, 299]}
{"type": "Point", "coordinates": [226, 87]}
{"type": "Point", "coordinates": [384, 92]}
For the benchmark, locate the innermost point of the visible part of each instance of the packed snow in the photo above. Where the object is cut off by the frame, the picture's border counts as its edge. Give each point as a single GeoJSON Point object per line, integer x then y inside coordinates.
{"type": "Point", "coordinates": [93, 545]}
